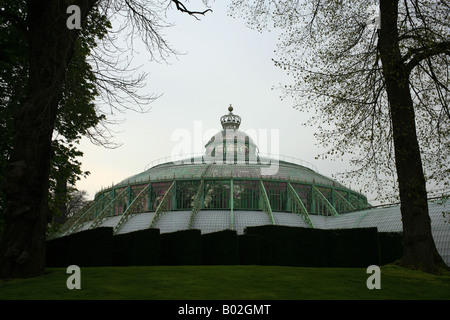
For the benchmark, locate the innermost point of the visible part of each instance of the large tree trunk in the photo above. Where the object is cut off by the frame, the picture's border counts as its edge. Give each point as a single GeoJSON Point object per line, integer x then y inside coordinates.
{"type": "Point", "coordinates": [26, 182]}
{"type": "Point", "coordinates": [419, 250]}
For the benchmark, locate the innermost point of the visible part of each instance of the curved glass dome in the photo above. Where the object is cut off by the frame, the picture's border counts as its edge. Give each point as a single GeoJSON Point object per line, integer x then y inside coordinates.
{"type": "Point", "coordinates": [230, 186]}
{"type": "Point", "coordinates": [231, 144]}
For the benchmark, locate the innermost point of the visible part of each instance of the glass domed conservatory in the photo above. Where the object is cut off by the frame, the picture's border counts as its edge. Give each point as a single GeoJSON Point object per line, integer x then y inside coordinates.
{"type": "Point", "coordinates": [232, 186]}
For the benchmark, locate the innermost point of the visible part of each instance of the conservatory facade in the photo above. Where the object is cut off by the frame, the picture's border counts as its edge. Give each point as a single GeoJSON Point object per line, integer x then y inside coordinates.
{"type": "Point", "coordinates": [231, 186]}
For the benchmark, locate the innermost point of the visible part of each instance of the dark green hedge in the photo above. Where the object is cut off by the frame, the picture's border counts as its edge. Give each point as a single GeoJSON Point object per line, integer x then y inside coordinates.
{"type": "Point", "coordinates": [90, 248]}
{"type": "Point", "coordinates": [249, 249]}
{"type": "Point", "coordinates": [391, 246]}
{"type": "Point", "coordinates": [304, 247]}
{"type": "Point", "coordinates": [289, 246]}
{"type": "Point", "coordinates": [138, 248]}
{"type": "Point", "coordinates": [353, 247]}
{"type": "Point", "coordinates": [181, 248]}
{"type": "Point", "coordinates": [220, 248]}
{"type": "Point", "coordinates": [262, 245]}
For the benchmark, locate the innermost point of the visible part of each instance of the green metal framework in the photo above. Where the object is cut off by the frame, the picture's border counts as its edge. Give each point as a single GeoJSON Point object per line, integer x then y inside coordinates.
{"type": "Point", "coordinates": [164, 205]}
{"type": "Point", "coordinates": [197, 203]}
{"type": "Point", "coordinates": [157, 193]}
{"type": "Point", "coordinates": [297, 205]}
{"type": "Point", "coordinates": [276, 193]}
{"type": "Point", "coordinates": [357, 202]}
{"type": "Point", "coordinates": [342, 204]}
{"type": "Point", "coordinates": [265, 202]}
{"type": "Point", "coordinates": [108, 208]}
{"type": "Point", "coordinates": [232, 204]}
{"type": "Point", "coordinates": [217, 194]}
{"type": "Point", "coordinates": [357, 222]}
{"type": "Point", "coordinates": [246, 195]}
{"type": "Point", "coordinates": [89, 214]}
{"type": "Point", "coordinates": [135, 206]}
{"type": "Point", "coordinates": [231, 193]}
{"type": "Point", "coordinates": [185, 194]}
{"type": "Point", "coordinates": [73, 219]}
{"type": "Point", "coordinates": [323, 200]}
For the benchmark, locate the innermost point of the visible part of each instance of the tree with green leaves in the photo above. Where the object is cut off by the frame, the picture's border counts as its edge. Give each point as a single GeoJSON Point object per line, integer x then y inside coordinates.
{"type": "Point", "coordinates": [375, 76]}
{"type": "Point", "coordinates": [51, 47]}
{"type": "Point", "coordinates": [76, 110]}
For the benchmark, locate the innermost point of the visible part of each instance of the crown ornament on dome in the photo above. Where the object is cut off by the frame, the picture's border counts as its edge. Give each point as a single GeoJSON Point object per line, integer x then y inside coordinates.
{"type": "Point", "coordinates": [230, 120]}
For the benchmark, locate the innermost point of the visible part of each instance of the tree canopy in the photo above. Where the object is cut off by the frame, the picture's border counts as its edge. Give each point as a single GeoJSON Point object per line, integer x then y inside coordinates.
{"type": "Point", "coordinates": [77, 113]}
{"type": "Point", "coordinates": [48, 103]}
{"type": "Point", "coordinates": [377, 83]}
{"type": "Point", "coordinates": [330, 48]}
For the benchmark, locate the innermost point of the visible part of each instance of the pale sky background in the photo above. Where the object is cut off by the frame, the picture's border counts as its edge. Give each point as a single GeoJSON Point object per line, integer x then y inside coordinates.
{"type": "Point", "coordinates": [225, 63]}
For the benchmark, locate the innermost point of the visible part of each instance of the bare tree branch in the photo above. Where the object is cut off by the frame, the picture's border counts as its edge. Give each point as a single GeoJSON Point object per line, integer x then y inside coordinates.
{"type": "Point", "coordinates": [416, 55]}
{"type": "Point", "coordinates": [181, 7]}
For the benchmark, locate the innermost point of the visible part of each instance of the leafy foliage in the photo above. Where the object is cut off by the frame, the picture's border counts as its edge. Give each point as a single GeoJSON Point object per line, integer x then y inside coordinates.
{"type": "Point", "coordinates": [49, 50]}
{"type": "Point", "coordinates": [330, 49]}
{"type": "Point", "coordinates": [77, 112]}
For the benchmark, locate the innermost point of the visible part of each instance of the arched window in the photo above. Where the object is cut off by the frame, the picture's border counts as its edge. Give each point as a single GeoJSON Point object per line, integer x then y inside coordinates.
{"type": "Point", "coordinates": [157, 192]}
{"type": "Point", "coordinates": [246, 195]}
{"type": "Point", "coordinates": [217, 195]}
{"type": "Point", "coordinates": [276, 192]}
{"type": "Point", "coordinates": [185, 196]}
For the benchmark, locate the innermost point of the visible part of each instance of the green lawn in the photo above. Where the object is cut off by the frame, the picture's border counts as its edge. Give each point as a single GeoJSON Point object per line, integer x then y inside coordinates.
{"type": "Point", "coordinates": [229, 283]}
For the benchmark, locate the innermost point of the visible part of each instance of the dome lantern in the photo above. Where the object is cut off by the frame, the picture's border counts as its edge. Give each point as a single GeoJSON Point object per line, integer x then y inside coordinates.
{"type": "Point", "coordinates": [230, 120]}
{"type": "Point", "coordinates": [231, 142]}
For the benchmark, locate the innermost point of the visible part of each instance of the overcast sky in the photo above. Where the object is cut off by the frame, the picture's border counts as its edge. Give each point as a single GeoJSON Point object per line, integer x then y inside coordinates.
{"type": "Point", "coordinates": [224, 63]}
